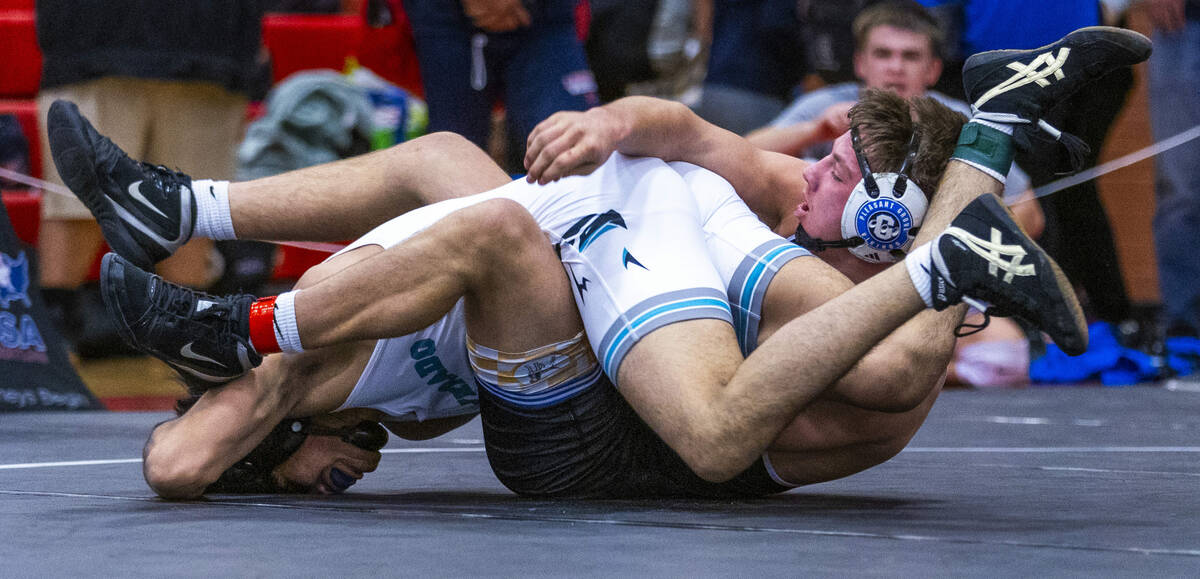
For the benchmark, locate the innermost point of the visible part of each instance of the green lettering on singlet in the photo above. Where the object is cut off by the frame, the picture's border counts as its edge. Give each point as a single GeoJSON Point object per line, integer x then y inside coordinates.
{"type": "Point", "coordinates": [460, 390]}
{"type": "Point", "coordinates": [423, 349]}
{"type": "Point", "coordinates": [432, 365]}
{"type": "Point", "coordinates": [428, 365]}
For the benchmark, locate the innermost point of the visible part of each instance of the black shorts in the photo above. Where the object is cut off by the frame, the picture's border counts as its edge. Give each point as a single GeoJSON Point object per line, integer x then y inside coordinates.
{"type": "Point", "coordinates": [595, 446]}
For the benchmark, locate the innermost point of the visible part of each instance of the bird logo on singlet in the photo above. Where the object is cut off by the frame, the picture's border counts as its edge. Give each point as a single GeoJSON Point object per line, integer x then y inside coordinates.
{"type": "Point", "coordinates": [587, 230]}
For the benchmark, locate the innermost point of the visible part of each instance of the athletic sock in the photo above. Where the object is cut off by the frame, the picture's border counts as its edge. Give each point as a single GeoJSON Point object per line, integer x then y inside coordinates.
{"type": "Point", "coordinates": [286, 331]}
{"type": "Point", "coordinates": [273, 325]}
{"type": "Point", "coordinates": [987, 146]}
{"type": "Point", "coordinates": [919, 263]}
{"type": "Point", "coordinates": [213, 217]}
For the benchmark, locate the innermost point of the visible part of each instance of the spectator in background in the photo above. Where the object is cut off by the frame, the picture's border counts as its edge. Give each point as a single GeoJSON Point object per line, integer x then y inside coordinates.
{"type": "Point", "coordinates": [473, 53]}
{"type": "Point", "coordinates": [1175, 108]}
{"type": "Point", "coordinates": [756, 63]}
{"type": "Point", "coordinates": [1077, 233]}
{"type": "Point", "coordinates": [132, 66]}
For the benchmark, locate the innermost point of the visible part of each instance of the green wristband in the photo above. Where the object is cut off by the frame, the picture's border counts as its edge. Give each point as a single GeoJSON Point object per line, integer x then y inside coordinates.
{"type": "Point", "coordinates": [984, 146]}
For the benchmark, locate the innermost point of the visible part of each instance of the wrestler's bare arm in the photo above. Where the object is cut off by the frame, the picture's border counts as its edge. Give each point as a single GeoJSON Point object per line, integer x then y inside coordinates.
{"type": "Point", "coordinates": [793, 139]}
{"type": "Point", "coordinates": [789, 140]}
{"type": "Point", "coordinates": [185, 455]}
{"type": "Point", "coordinates": [570, 143]}
{"type": "Point", "coordinates": [922, 348]}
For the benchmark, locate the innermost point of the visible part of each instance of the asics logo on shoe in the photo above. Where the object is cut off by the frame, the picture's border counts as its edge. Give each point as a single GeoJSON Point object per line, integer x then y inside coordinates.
{"type": "Point", "coordinates": [1045, 65]}
{"type": "Point", "coordinates": [995, 253]}
{"type": "Point", "coordinates": [135, 191]}
{"type": "Point", "coordinates": [187, 352]}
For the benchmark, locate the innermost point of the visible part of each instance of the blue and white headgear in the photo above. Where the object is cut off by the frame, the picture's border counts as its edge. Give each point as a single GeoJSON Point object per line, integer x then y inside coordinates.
{"type": "Point", "coordinates": [882, 214]}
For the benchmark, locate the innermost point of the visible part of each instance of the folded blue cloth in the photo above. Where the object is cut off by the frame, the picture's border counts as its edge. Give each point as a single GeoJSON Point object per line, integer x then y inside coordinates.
{"type": "Point", "coordinates": [1112, 364]}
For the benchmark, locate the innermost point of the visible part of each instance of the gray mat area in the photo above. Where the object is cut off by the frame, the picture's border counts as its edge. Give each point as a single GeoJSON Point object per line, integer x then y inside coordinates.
{"type": "Point", "coordinates": [1076, 482]}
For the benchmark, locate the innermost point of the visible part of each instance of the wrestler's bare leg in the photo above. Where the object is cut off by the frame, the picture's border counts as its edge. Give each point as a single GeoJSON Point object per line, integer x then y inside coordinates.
{"type": "Point", "coordinates": [146, 212]}
{"type": "Point", "coordinates": [685, 378]}
{"type": "Point", "coordinates": [830, 440]}
{"type": "Point", "coordinates": [492, 254]}
{"type": "Point", "coordinates": [344, 199]}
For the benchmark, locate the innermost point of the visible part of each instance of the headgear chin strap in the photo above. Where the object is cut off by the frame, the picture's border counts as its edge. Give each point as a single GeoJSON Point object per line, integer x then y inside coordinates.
{"type": "Point", "coordinates": [882, 214]}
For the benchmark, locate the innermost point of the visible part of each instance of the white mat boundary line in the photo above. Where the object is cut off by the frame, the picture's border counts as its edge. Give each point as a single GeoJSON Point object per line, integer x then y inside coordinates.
{"type": "Point", "coordinates": [917, 449]}
{"type": "Point", "coordinates": [109, 461]}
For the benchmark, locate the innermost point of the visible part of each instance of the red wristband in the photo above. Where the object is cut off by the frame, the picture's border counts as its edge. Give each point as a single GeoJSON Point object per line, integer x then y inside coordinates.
{"type": "Point", "coordinates": [262, 326]}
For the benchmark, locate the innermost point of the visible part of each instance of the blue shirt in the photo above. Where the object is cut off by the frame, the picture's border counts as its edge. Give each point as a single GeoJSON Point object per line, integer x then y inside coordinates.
{"type": "Point", "coordinates": [1019, 24]}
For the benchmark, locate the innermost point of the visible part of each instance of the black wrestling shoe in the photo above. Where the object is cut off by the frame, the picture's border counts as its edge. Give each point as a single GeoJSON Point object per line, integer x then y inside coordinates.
{"type": "Point", "coordinates": [986, 260]}
{"type": "Point", "coordinates": [145, 211]}
{"type": "Point", "coordinates": [205, 336]}
{"type": "Point", "coordinates": [1018, 86]}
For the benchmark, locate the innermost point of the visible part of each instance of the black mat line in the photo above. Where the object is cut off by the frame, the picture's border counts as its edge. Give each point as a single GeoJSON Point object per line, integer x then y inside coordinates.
{"type": "Point", "coordinates": [1079, 481]}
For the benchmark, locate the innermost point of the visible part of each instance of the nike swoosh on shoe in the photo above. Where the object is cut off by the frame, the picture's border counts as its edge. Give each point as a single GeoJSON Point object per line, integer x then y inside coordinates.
{"type": "Point", "coordinates": [187, 352]}
{"type": "Point", "coordinates": [136, 192]}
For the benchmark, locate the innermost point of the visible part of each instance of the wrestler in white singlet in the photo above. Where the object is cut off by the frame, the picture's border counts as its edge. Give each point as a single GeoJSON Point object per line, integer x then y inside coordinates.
{"type": "Point", "coordinates": [629, 240]}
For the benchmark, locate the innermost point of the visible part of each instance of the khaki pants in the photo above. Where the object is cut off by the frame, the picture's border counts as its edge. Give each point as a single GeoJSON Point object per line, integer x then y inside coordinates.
{"type": "Point", "coordinates": [194, 127]}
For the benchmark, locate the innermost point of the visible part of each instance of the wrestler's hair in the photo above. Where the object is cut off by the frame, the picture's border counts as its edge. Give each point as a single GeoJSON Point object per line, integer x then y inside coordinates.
{"type": "Point", "coordinates": [885, 124]}
{"type": "Point", "coordinates": [903, 14]}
